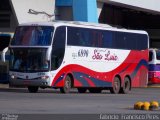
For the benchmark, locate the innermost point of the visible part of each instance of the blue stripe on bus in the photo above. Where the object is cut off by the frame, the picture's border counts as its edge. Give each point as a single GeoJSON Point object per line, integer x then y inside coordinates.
{"type": "Point", "coordinates": [59, 79]}
{"type": "Point", "coordinates": [125, 69]}
{"type": "Point", "coordinates": [154, 67]}
{"type": "Point", "coordinates": [77, 76]}
{"type": "Point", "coordinates": [141, 63]}
{"type": "Point", "coordinates": [97, 82]}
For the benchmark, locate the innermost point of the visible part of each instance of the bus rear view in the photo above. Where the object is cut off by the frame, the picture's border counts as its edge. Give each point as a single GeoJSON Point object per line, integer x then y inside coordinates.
{"type": "Point", "coordinates": [154, 66]}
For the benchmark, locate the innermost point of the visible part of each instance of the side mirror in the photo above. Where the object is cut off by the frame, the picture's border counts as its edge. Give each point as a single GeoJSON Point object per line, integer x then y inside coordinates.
{"type": "Point", "coordinates": [3, 55]}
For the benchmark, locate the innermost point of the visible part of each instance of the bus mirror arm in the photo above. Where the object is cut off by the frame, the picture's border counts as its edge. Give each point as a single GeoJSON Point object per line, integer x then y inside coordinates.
{"type": "Point", "coordinates": [48, 54]}
{"type": "Point", "coordinates": [4, 54]}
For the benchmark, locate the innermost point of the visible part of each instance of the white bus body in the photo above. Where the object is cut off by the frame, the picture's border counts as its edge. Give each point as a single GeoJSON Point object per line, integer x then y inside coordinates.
{"type": "Point", "coordinates": [79, 55]}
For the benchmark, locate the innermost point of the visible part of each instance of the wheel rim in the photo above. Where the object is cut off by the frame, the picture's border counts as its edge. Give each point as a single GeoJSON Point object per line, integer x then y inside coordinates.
{"type": "Point", "coordinates": [67, 84]}
{"type": "Point", "coordinates": [116, 85]}
{"type": "Point", "coordinates": [127, 85]}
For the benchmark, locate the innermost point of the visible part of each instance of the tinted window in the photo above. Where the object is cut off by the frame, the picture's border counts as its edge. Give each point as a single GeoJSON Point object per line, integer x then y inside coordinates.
{"type": "Point", "coordinates": [58, 47]}
{"type": "Point", "coordinates": [120, 40]}
{"type": "Point", "coordinates": [106, 39]}
{"type": "Point", "coordinates": [89, 37]}
{"type": "Point", "coordinates": [79, 37]}
{"type": "Point", "coordinates": [131, 41]}
{"type": "Point", "coordinates": [33, 35]}
{"type": "Point", "coordinates": [28, 60]}
{"type": "Point", "coordinates": [142, 42]}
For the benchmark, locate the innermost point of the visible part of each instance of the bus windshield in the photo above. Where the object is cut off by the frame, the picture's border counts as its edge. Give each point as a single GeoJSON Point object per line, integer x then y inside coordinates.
{"type": "Point", "coordinates": [158, 54]}
{"type": "Point", "coordinates": [33, 36]}
{"type": "Point", "coordinates": [29, 60]}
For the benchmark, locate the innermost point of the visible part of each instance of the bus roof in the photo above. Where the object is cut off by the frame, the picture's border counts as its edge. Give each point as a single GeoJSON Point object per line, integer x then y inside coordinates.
{"type": "Point", "coordinates": [83, 24]}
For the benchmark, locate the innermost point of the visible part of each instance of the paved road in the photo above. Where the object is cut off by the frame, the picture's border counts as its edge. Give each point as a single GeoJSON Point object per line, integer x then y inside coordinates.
{"type": "Point", "coordinates": [19, 101]}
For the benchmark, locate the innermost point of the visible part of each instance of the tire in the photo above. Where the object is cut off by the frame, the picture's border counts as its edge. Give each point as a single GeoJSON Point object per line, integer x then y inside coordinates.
{"type": "Point", "coordinates": [33, 89]}
{"type": "Point", "coordinates": [95, 90]}
{"type": "Point", "coordinates": [116, 86]}
{"type": "Point", "coordinates": [81, 90]}
{"type": "Point", "coordinates": [126, 87]}
{"type": "Point", "coordinates": [67, 85]}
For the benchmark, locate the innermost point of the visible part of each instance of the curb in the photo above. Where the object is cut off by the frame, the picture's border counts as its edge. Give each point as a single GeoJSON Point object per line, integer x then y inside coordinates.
{"type": "Point", "coordinates": [149, 86]}
{"type": "Point", "coordinates": [154, 86]}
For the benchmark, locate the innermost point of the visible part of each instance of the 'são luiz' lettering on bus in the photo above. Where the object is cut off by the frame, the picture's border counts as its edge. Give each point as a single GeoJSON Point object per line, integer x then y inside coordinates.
{"type": "Point", "coordinates": [104, 55]}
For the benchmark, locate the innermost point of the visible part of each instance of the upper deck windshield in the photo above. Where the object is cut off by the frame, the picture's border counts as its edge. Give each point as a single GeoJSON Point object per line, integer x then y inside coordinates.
{"type": "Point", "coordinates": [33, 36]}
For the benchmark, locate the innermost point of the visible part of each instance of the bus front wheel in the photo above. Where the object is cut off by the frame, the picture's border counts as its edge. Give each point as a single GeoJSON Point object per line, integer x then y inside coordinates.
{"type": "Point", "coordinates": [33, 89]}
{"type": "Point", "coordinates": [116, 86]}
{"type": "Point", "coordinates": [67, 85]}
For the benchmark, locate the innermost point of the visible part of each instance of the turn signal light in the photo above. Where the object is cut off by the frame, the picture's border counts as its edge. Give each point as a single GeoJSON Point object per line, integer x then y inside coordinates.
{"type": "Point", "coordinates": [44, 77]}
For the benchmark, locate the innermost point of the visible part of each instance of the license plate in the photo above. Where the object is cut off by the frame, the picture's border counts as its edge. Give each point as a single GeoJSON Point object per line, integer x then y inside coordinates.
{"type": "Point", "coordinates": [26, 82]}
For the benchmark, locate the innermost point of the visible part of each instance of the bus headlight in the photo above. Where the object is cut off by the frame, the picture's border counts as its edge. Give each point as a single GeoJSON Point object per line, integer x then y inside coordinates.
{"type": "Point", "coordinates": [44, 77]}
{"type": "Point", "coordinates": [13, 76]}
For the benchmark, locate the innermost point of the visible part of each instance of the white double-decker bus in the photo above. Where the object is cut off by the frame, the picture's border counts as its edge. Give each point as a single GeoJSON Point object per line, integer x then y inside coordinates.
{"type": "Point", "coordinates": [78, 55]}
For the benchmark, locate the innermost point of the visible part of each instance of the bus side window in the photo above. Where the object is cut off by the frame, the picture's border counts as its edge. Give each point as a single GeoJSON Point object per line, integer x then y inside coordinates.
{"type": "Point", "coordinates": [72, 36]}
{"type": "Point", "coordinates": [142, 42]}
{"type": "Point", "coordinates": [107, 39]}
{"type": "Point", "coordinates": [94, 39]}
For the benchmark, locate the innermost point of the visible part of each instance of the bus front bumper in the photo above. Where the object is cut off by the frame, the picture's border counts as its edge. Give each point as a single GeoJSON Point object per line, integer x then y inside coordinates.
{"type": "Point", "coordinates": [25, 83]}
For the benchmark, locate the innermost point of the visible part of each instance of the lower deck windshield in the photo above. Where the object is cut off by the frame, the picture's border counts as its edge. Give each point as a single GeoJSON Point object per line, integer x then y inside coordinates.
{"type": "Point", "coordinates": [158, 54]}
{"type": "Point", "coordinates": [29, 60]}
